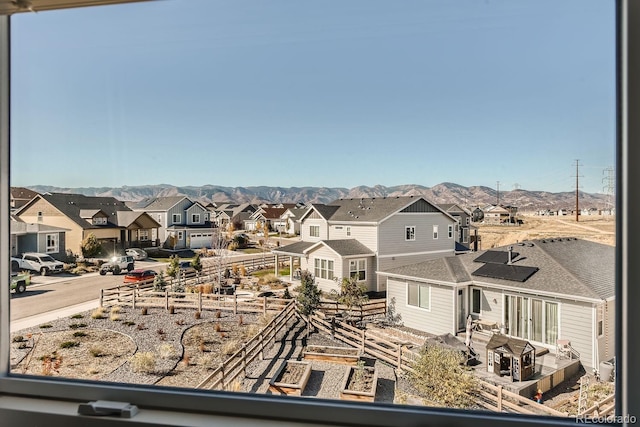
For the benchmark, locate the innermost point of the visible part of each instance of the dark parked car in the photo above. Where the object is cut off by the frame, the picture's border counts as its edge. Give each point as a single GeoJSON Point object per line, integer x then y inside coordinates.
{"type": "Point", "coordinates": [136, 276]}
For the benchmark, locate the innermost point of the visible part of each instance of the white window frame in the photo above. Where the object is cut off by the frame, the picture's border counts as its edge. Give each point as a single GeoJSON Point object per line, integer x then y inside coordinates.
{"type": "Point", "coordinates": [180, 235]}
{"type": "Point", "coordinates": [357, 268]}
{"type": "Point", "coordinates": [160, 403]}
{"type": "Point", "coordinates": [435, 232]}
{"type": "Point", "coordinates": [174, 220]}
{"type": "Point", "coordinates": [410, 233]}
{"type": "Point", "coordinates": [314, 231]}
{"type": "Point", "coordinates": [348, 231]}
{"type": "Point", "coordinates": [143, 235]}
{"type": "Point", "coordinates": [49, 249]}
{"type": "Point", "coordinates": [450, 231]}
{"type": "Point", "coordinates": [195, 218]}
{"type": "Point", "coordinates": [479, 312]}
{"type": "Point", "coordinates": [324, 268]}
{"type": "Point", "coordinates": [420, 287]}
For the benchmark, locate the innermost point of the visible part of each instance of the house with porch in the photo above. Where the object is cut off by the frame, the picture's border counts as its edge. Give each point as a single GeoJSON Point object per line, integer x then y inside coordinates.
{"type": "Point", "coordinates": [356, 237]}
{"type": "Point", "coordinates": [544, 291]}
{"type": "Point", "coordinates": [30, 237]}
{"type": "Point", "coordinates": [291, 219]}
{"type": "Point", "coordinates": [183, 222]}
{"type": "Point", "coordinates": [115, 225]}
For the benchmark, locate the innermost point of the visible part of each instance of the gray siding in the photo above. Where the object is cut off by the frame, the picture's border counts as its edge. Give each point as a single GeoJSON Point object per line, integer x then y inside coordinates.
{"type": "Point", "coordinates": [28, 243]}
{"type": "Point", "coordinates": [392, 234]}
{"type": "Point", "coordinates": [490, 310]}
{"type": "Point", "coordinates": [195, 209]}
{"type": "Point", "coordinates": [365, 234]}
{"type": "Point", "coordinates": [439, 319]}
{"type": "Point", "coordinates": [576, 325]}
{"type": "Point", "coordinates": [325, 285]}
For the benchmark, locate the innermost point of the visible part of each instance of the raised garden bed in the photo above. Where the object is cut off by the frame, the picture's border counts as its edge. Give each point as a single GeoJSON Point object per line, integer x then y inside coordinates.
{"type": "Point", "coordinates": [345, 355]}
{"type": "Point", "coordinates": [359, 384]}
{"type": "Point", "coordinates": [291, 378]}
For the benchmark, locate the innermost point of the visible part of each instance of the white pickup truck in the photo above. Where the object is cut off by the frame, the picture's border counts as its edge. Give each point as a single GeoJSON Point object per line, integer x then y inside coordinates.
{"type": "Point", "coordinates": [42, 263]}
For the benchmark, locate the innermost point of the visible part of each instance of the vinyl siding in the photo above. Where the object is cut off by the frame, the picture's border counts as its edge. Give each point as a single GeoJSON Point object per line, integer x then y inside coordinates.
{"type": "Point", "coordinates": [391, 234]}
{"type": "Point", "coordinates": [437, 320]}
{"type": "Point", "coordinates": [305, 233]}
{"type": "Point", "coordinates": [365, 234]}
{"type": "Point", "coordinates": [491, 311]}
{"type": "Point", "coordinates": [576, 325]}
{"type": "Point", "coordinates": [325, 285]}
{"type": "Point", "coordinates": [178, 209]}
{"type": "Point", "coordinates": [51, 216]}
{"type": "Point", "coordinates": [370, 276]}
{"type": "Point", "coordinates": [195, 209]}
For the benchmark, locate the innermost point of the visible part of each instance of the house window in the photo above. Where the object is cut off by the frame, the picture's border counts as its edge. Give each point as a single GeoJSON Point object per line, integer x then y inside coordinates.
{"type": "Point", "coordinates": [195, 218]}
{"type": "Point", "coordinates": [476, 301]}
{"type": "Point", "coordinates": [180, 235]}
{"type": "Point", "coordinates": [323, 268]}
{"type": "Point", "coordinates": [99, 220]}
{"type": "Point", "coordinates": [419, 295]}
{"type": "Point", "coordinates": [39, 216]}
{"type": "Point", "coordinates": [348, 231]}
{"type": "Point", "coordinates": [467, 220]}
{"type": "Point", "coordinates": [314, 230]}
{"type": "Point", "coordinates": [435, 231]}
{"type": "Point", "coordinates": [410, 232]}
{"type": "Point", "coordinates": [159, 219]}
{"type": "Point", "coordinates": [143, 235]}
{"type": "Point", "coordinates": [52, 243]}
{"type": "Point", "coordinates": [357, 268]}
{"type": "Point", "coordinates": [450, 231]}
{"type": "Point", "coordinates": [600, 328]}
{"type": "Point", "coordinates": [176, 218]}
{"type": "Point", "coordinates": [531, 318]}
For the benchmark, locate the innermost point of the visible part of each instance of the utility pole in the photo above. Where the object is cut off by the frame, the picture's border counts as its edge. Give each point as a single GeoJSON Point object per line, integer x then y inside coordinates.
{"type": "Point", "coordinates": [609, 186]}
{"type": "Point", "coordinates": [577, 189]}
{"type": "Point", "coordinates": [498, 193]}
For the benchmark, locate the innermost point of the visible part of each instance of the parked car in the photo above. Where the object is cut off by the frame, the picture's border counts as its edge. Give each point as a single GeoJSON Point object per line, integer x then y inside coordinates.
{"type": "Point", "coordinates": [42, 263]}
{"type": "Point", "coordinates": [117, 264]}
{"type": "Point", "coordinates": [186, 269]}
{"type": "Point", "coordinates": [19, 282]}
{"type": "Point", "coordinates": [139, 275]}
{"type": "Point", "coordinates": [137, 253]}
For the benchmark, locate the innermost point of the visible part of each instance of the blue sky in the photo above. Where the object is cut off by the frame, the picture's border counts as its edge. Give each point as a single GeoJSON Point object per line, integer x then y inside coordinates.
{"type": "Point", "coordinates": [335, 93]}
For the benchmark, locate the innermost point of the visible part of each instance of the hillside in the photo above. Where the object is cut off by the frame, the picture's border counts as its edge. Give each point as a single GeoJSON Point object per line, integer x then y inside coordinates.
{"type": "Point", "coordinates": [442, 193]}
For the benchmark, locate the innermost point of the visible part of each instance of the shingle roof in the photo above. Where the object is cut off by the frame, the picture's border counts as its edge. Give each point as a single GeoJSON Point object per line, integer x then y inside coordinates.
{"type": "Point", "coordinates": [162, 203]}
{"type": "Point", "coordinates": [348, 247]}
{"type": "Point", "coordinates": [566, 266]}
{"type": "Point", "coordinates": [297, 248]}
{"type": "Point", "coordinates": [370, 209]}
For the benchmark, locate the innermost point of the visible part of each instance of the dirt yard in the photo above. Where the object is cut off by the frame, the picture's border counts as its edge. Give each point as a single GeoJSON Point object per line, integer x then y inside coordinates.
{"type": "Point", "coordinates": [600, 229]}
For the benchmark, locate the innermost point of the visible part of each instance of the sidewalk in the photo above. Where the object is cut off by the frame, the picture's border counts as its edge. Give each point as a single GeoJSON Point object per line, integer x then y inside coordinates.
{"type": "Point", "coordinates": [39, 319]}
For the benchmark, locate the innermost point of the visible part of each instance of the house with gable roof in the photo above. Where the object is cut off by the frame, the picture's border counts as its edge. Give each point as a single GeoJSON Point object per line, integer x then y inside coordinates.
{"type": "Point", "coordinates": [541, 291]}
{"type": "Point", "coordinates": [183, 222]}
{"type": "Point", "coordinates": [356, 237]}
{"type": "Point", "coordinates": [110, 220]}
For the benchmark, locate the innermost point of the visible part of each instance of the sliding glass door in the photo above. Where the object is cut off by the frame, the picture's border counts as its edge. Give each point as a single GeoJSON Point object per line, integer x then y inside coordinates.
{"type": "Point", "coordinates": [531, 319]}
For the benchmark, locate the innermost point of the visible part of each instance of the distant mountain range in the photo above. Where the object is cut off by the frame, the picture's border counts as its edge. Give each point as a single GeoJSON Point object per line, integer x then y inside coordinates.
{"type": "Point", "coordinates": [442, 193]}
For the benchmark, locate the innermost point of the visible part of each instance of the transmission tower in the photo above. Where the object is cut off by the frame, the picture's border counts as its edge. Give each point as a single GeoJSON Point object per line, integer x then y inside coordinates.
{"type": "Point", "coordinates": [609, 185]}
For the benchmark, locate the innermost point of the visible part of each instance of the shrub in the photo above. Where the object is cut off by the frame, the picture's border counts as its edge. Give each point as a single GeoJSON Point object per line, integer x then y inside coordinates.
{"type": "Point", "coordinates": [128, 323]}
{"type": "Point", "coordinates": [144, 311]}
{"type": "Point", "coordinates": [77, 316]}
{"type": "Point", "coordinates": [286, 294]}
{"type": "Point", "coordinates": [98, 313]}
{"type": "Point", "coordinates": [69, 344]}
{"type": "Point", "coordinates": [116, 309]}
{"type": "Point", "coordinates": [240, 320]}
{"type": "Point", "coordinates": [197, 315]}
{"type": "Point", "coordinates": [143, 362]}
{"type": "Point", "coordinates": [172, 309]}
{"type": "Point", "coordinates": [46, 326]}
{"type": "Point", "coordinates": [77, 325]}
{"type": "Point", "coordinates": [218, 314]}
{"type": "Point", "coordinates": [79, 334]}
{"type": "Point", "coordinates": [96, 352]}
{"type": "Point", "coordinates": [231, 347]}
{"type": "Point", "coordinates": [18, 338]}
{"type": "Point", "coordinates": [141, 327]}
{"type": "Point", "coordinates": [166, 351]}
{"type": "Point", "coordinates": [243, 270]}
{"type": "Point", "coordinates": [115, 317]}
{"type": "Point", "coordinates": [217, 327]}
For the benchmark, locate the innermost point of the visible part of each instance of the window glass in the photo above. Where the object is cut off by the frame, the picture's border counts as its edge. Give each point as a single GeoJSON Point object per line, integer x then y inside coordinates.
{"type": "Point", "coordinates": [242, 100]}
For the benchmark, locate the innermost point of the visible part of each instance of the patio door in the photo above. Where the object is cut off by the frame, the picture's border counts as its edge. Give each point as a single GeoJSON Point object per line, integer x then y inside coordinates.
{"type": "Point", "coordinates": [517, 316]}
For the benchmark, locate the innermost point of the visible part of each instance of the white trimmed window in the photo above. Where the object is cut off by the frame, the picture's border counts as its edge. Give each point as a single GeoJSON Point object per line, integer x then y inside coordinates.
{"type": "Point", "coordinates": [419, 295]}
{"type": "Point", "coordinates": [52, 243]}
{"type": "Point", "coordinates": [143, 235]}
{"type": "Point", "coordinates": [314, 230]}
{"type": "Point", "coordinates": [476, 301]}
{"type": "Point", "coordinates": [180, 235]}
{"type": "Point", "coordinates": [450, 231]}
{"type": "Point", "coordinates": [435, 231]}
{"type": "Point", "coordinates": [410, 232]}
{"type": "Point", "coordinates": [195, 218]}
{"type": "Point", "coordinates": [358, 269]}
{"type": "Point", "coordinates": [176, 218]}
{"type": "Point", "coordinates": [323, 268]}
{"type": "Point", "coordinates": [348, 231]}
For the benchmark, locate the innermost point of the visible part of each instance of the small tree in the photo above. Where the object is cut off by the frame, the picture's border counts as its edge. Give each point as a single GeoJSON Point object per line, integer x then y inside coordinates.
{"type": "Point", "coordinates": [353, 293]}
{"type": "Point", "coordinates": [159, 283]}
{"type": "Point", "coordinates": [90, 246]}
{"type": "Point", "coordinates": [196, 263]}
{"type": "Point", "coordinates": [443, 379]}
{"type": "Point", "coordinates": [173, 271]}
{"type": "Point", "coordinates": [308, 297]}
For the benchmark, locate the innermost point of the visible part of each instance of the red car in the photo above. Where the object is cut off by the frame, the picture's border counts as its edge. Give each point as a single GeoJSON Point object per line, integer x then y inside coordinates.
{"type": "Point", "coordinates": [136, 276]}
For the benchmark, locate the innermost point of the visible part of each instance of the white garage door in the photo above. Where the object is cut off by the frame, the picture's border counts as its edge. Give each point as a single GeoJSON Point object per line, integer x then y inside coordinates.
{"type": "Point", "coordinates": [200, 240]}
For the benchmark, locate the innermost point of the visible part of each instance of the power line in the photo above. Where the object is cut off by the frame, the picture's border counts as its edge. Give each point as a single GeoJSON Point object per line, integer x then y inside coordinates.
{"type": "Point", "coordinates": [577, 176]}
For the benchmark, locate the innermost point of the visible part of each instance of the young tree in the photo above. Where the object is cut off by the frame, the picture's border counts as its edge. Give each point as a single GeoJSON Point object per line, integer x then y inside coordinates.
{"type": "Point", "coordinates": [308, 297]}
{"type": "Point", "coordinates": [173, 270]}
{"type": "Point", "coordinates": [353, 293]}
{"type": "Point", "coordinates": [443, 379]}
{"type": "Point", "coordinates": [90, 246]}
{"type": "Point", "coordinates": [196, 263]}
{"type": "Point", "coordinates": [159, 283]}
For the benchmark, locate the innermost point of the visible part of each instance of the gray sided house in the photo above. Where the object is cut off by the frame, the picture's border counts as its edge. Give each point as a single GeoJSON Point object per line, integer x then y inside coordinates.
{"type": "Point", "coordinates": [46, 239]}
{"type": "Point", "coordinates": [183, 223]}
{"type": "Point", "coordinates": [356, 237]}
{"type": "Point", "coordinates": [540, 291]}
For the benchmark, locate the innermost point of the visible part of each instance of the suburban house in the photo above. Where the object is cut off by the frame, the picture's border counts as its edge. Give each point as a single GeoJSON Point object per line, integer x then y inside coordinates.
{"type": "Point", "coordinates": [110, 220]}
{"type": "Point", "coordinates": [291, 219]}
{"type": "Point", "coordinates": [268, 215]}
{"type": "Point", "coordinates": [19, 197]}
{"type": "Point", "coordinates": [463, 218]}
{"type": "Point", "coordinates": [541, 291]}
{"type": "Point", "coordinates": [499, 214]}
{"type": "Point", "coordinates": [227, 213]}
{"type": "Point", "coordinates": [183, 222]}
{"type": "Point", "coordinates": [29, 237]}
{"type": "Point", "coordinates": [356, 237]}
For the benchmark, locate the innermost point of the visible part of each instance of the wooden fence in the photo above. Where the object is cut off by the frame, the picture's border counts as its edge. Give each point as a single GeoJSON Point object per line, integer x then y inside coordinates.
{"type": "Point", "coordinates": [371, 308]}
{"type": "Point", "coordinates": [237, 363]}
{"type": "Point", "coordinates": [496, 398]}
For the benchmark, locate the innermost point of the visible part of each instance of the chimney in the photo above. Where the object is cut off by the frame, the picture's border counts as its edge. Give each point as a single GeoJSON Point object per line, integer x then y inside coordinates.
{"type": "Point", "coordinates": [510, 255]}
